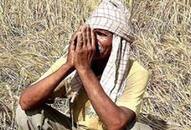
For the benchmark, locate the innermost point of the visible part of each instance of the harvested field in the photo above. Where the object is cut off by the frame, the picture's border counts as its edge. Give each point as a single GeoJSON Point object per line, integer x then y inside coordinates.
{"type": "Point", "coordinates": [34, 33]}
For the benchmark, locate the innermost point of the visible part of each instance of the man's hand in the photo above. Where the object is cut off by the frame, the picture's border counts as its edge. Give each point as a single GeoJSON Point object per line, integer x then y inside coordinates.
{"type": "Point", "coordinates": [72, 44]}
{"type": "Point", "coordinates": [84, 49]}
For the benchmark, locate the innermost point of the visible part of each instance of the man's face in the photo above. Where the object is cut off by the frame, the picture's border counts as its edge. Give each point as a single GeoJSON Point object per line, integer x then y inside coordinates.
{"type": "Point", "coordinates": [103, 43]}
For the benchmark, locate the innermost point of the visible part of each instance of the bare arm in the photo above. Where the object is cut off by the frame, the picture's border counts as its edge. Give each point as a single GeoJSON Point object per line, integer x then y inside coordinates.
{"type": "Point", "coordinates": [113, 117]}
{"type": "Point", "coordinates": [39, 92]}
{"type": "Point", "coordinates": [36, 94]}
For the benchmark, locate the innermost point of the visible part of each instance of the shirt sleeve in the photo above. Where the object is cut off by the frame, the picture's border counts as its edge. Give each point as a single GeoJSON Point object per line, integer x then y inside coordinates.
{"type": "Point", "coordinates": [136, 86]}
{"type": "Point", "coordinates": [60, 89]}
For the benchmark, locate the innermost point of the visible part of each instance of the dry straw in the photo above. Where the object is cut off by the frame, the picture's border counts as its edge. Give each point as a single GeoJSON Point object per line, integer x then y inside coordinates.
{"type": "Point", "coordinates": [34, 33]}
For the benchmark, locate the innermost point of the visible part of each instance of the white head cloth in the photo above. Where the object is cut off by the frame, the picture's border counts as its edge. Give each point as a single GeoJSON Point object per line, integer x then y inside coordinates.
{"type": "Point", "coordinates": [111, 15]}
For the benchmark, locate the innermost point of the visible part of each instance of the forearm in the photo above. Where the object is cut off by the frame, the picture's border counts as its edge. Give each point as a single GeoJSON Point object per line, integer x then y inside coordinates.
{"type": "Point", "coordinates": [39, 92]}
{"type": "Point", "coordinates": [110, 114]}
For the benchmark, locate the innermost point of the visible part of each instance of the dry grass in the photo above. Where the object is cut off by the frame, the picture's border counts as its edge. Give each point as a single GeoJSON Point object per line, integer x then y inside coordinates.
{"type": "Point", "coordinates": [34, 33]}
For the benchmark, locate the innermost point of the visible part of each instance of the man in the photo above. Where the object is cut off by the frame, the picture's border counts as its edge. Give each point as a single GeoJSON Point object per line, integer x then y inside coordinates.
{"type": "Point", "coordinates": [105, 87]}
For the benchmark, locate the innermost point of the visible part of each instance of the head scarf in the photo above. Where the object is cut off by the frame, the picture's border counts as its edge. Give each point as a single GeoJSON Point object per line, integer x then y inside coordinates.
{"type": "Point", "coordinates": [111, 15]}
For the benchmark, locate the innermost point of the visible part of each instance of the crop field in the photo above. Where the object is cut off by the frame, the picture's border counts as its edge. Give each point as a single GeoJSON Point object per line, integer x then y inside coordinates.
{"type": "Point", "coordinates": [33, 34]}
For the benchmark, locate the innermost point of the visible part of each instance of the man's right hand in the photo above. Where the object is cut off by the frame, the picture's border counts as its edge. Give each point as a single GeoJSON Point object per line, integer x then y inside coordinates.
{"type": "Point", "coordinates": [72, 44]}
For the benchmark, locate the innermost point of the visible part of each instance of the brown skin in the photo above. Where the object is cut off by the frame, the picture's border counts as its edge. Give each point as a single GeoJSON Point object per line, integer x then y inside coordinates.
{"type": "Point", "coordinates": [83, 57]}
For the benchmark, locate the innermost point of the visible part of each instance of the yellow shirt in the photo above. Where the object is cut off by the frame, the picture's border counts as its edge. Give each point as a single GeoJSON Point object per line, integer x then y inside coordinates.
{"type": "Point", "coordinates": [137, 80]}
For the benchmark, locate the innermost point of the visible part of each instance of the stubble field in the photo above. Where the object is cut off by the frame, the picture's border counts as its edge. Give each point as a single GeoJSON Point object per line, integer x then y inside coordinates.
{"type": "Point", "coordinates": [34, 33]}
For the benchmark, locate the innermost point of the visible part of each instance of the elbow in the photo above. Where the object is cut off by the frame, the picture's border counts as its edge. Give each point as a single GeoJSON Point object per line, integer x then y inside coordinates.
{"type": "Point", "coordinates": [24, 103]}
{"type": "Point", "coordinates": [118, 125]}
{"type": "Point", "coordinates": [121, 122]}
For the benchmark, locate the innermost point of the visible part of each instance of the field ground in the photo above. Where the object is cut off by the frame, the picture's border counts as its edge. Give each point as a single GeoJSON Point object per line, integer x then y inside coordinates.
{"type": "Point", "coordinates": [34, 33]}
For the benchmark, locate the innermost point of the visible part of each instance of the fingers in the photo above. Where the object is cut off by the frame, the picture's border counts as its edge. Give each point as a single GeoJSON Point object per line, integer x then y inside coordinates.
{"type": "Point", "coordinates": [85, 38]}
{"type": "Point", "coordinates": [79, 41]}
{"type": "Point", "coordinates": [73, 40]}
{"type": "Point", "coordinates": [88, 37]}
{"type": "Point", "coordinates": [84, 35]}
{"type": "Point", "coordinates": [72, 45]}
{"type": "Point", "coordinates": [88, 34]}
{"type": "Point", "coordinates": [93, 39]}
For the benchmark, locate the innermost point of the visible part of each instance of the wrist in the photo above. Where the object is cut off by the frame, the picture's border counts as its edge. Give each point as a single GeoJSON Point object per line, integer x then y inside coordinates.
{"type": "Point", "coordinates": [84, 70]}
{"type": "Point", "coordinates": [68, 67]}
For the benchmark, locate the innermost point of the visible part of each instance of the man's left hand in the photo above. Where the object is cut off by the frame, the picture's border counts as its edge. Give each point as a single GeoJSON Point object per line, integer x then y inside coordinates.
{"type": "Point", "coordinates": [85, 49]}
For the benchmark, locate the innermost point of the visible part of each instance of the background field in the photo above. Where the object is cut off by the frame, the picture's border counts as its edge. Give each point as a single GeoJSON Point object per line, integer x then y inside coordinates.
{"type": "Point", "coordinates": [34, 33]}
